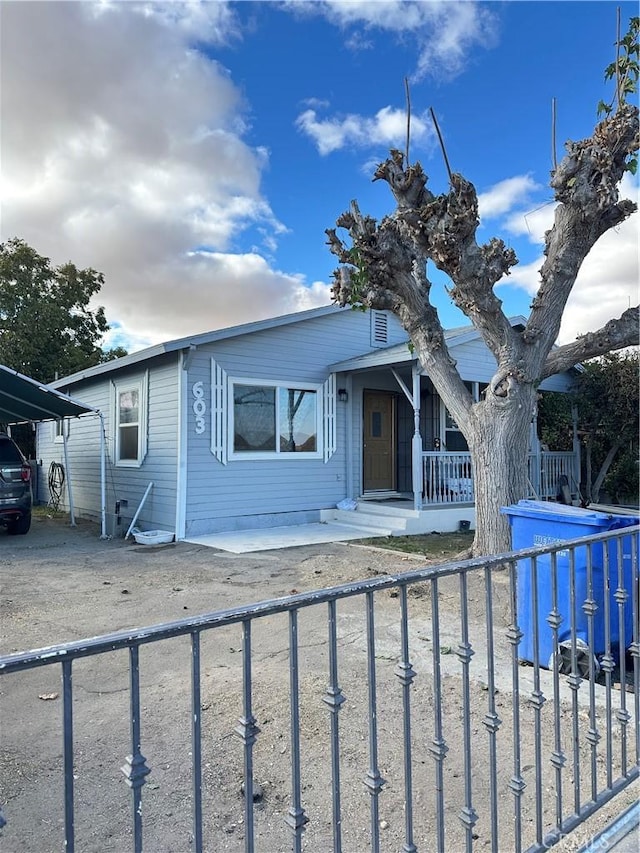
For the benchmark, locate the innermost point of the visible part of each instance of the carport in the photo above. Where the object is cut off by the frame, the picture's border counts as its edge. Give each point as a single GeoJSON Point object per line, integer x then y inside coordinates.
{"type": "Point", "coordinates": [23, 400]}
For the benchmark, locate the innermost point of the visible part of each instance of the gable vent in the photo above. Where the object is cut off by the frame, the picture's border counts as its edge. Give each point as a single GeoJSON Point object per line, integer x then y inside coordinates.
{"type": "Point", "coordinates": [379, 329]}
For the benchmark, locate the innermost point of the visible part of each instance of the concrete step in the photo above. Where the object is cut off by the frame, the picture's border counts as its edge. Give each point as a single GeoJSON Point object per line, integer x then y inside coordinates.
{"type": "Point", "coordinates": [388, 509]}
{"type": "Point", "coordinates": [384, 525]}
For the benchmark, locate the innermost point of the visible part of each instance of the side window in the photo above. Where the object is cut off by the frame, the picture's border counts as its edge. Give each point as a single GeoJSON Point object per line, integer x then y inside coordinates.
{"type": "Point", "coordinates": [454, 440]}
{"type": "Point", "coordinates": [129, 418]}
{"type": "Point", "coordinates": [60, 430]}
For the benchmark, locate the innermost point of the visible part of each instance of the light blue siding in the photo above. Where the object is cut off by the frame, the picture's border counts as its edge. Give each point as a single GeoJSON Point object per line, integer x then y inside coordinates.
{"type": "Point", "coordinates": [197, 489]}
{"type": "Point", "coordinates": [124, 485]}
{"type": "Point", "coordinates": [253, 492]}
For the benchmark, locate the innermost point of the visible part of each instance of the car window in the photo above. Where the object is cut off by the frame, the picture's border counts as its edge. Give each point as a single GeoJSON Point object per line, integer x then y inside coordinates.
{"type": "Point", "coordinates": [9, 453]}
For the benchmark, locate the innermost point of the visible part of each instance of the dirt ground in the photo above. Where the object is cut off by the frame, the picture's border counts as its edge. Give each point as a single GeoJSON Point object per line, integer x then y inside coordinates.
{"type": "Point", "coordinates": [61, 584]}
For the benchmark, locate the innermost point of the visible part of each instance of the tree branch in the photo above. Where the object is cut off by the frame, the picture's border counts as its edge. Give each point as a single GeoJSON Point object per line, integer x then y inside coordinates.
{"type": "Point", "coordinates": [586, 185]}
{"type": "Point", "coordinates": [615, 335]}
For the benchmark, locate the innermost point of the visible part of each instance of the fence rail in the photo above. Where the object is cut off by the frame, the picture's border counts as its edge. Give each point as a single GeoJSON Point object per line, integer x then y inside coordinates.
{"type": "Point", "coordinates": [443, 647]}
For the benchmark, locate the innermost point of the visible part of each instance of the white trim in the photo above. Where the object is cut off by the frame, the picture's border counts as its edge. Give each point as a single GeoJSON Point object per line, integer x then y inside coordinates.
{"type": "Point", "coordinates": [141, 384]}
{"type": "Point", "coordinates": [256, 455]}
{"type": "Point", "coordinates": [379, 328]}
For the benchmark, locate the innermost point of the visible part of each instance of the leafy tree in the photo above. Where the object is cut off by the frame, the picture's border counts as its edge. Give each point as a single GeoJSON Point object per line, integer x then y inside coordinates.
{"type": "Point", "coordinates": [608, 401]}
{"type": "Point", "coordinates": [384, 266]}
{"type": "Point", "coordinates": [555, 420]}
{"type": "Point", "coordinates": [46, 326]}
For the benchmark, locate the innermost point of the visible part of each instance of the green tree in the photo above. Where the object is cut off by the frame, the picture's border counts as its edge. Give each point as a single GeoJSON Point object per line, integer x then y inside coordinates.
{"type": "Point", "coordinates": [46, 326]}
{"type": "Point", "coordinates": [608, 404]}
{"type": "Point", "coordinates": [384, 266]}
{"type": "Point", "coordinates": [555, 420]}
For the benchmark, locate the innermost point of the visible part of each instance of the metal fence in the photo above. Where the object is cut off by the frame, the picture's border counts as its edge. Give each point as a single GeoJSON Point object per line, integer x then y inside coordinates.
{"type": "Point", "coordinates": [451, 732]}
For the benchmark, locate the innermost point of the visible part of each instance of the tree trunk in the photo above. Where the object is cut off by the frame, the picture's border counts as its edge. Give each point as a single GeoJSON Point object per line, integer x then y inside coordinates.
{"type": "Point", "coordinates": [594, 490]}
{"type": "Point", "coordinates": [588, 475]}
{"type": "Point", "coordinates": [498, 438]}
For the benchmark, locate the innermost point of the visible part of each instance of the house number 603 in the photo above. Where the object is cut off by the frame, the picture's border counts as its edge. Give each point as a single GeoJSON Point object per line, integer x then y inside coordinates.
{"type": "Point", "coordinates": [199, 406]}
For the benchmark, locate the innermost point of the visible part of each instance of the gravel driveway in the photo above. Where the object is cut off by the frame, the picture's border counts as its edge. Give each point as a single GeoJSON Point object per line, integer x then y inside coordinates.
{"type": "Point", "coordinates": [61, 584]}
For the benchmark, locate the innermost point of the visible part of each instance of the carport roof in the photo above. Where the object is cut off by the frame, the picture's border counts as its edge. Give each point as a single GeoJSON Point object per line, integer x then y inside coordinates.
{"type": "Point", "coordinates": [23, 399]}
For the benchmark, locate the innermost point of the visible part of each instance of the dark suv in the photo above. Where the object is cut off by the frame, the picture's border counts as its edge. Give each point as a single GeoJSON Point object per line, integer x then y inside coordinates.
{"type": "Point", "coordinates": [15, 487]}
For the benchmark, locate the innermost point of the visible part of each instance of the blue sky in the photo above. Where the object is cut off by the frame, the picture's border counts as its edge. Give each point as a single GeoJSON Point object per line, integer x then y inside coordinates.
{"type": "Point", "coordinates": [195, 153]}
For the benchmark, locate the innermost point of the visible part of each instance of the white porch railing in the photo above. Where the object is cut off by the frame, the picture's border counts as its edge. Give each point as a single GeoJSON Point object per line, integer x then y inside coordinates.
{"type": "Point", "coordinates": [448, 477]}
{"type": "Point", "coordinates": [553, 464]}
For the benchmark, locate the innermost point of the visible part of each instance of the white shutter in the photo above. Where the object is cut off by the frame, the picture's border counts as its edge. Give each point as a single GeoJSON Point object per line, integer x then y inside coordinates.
{"type": "Point", "coordinates": [329, 416]}
{"type": "Point", "coordinates": [219, 397]}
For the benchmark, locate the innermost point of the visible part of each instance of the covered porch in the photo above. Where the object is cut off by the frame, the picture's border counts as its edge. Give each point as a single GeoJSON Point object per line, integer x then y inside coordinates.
{"type": "Point", "coordinates": [407, 461]}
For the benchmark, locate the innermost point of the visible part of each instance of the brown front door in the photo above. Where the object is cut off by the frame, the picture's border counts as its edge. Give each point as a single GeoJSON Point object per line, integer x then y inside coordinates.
{"type": "Point", "coordinates": [379, 456]}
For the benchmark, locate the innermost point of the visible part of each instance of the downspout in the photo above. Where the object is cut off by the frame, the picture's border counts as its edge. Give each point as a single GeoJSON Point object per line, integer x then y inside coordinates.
{"type": "Point", "coordinates": [66, 468]}
{"type": "Point", "coordinates": [184, 363]}
{"type": "Point", "coordinates": [103, 480]}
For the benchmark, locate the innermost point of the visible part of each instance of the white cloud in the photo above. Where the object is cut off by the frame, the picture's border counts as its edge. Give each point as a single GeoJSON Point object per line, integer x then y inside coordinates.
{"type": "Point", "coordinates": [502, 197]}
{"type": "Point", "coordinates": [533, 222]}
{"type": "Point", "coordinates": [388, 127]}
{"type": "Point", "coordinates": [607, 283]}
{"type": "Point", "coordinates": [242, 288]}
{"type": "Point", "coordinates": [106, 162]}
{"type": "Point", "coordinates": [444, 32]}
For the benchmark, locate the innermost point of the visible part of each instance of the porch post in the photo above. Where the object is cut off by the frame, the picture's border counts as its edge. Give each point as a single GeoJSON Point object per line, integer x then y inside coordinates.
{"type": "Point", "coordinates": [416, 441]}
{"type": "Point", "coordinates": [534, 463]}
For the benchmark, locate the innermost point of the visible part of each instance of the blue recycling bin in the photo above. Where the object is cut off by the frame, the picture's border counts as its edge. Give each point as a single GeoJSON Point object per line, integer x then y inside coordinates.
{"type": "Point", "coordinates": [545, 523]}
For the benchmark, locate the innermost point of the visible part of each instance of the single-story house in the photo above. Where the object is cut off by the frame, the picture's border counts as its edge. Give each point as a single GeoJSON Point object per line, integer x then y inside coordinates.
{"type": "Point", "coordinates": [274, 423]}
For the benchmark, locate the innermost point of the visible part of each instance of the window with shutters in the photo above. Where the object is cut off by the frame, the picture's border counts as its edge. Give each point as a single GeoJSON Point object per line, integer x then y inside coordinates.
{"type": "Point", "coordinates": [273, 420]}
{"type": "Point", "coordinates": [262, 419]}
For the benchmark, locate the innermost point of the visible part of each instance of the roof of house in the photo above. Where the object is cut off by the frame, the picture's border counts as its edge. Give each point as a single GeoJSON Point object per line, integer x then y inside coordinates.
{"type": "Point", "coordinates": [193, 341]}
{"type": "Point", "coordinates": [402, 354]}
{"type": "Point", "coordinates": [397, 354]}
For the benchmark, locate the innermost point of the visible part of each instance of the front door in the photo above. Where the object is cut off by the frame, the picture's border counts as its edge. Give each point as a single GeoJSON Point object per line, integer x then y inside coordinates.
{"type": "Point", "coordinates": [379, 455]}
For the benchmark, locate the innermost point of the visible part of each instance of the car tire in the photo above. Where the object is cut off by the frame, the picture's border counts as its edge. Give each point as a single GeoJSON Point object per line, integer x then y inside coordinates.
{"type": "Point", "coordinates": [20, 526]}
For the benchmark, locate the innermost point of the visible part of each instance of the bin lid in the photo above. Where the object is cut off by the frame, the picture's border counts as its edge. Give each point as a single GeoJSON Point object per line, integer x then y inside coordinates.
{"type": "Point", "coordinates": [561, 512]}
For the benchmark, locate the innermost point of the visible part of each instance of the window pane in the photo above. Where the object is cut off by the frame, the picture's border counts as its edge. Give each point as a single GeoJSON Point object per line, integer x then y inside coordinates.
{"type": "Point", "coordinates": [129, 442]}
{"type": "Point", "coordinates": [128, 407]}
{"type": "Point", "coordinates": [449, 420]}
{"type": "Point", "coordinates": [456, 441]}
{"type": "Point", "coordinates": [376, 424]}
{"type": "Point", "coordinates": [297, 410]}
{"type": "Point", "coordinates": [254, 418]}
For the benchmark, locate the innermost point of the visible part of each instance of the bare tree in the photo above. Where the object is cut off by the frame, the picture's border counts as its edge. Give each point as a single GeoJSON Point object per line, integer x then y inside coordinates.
{"type": "Point", "coordinates": [384, 267]}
